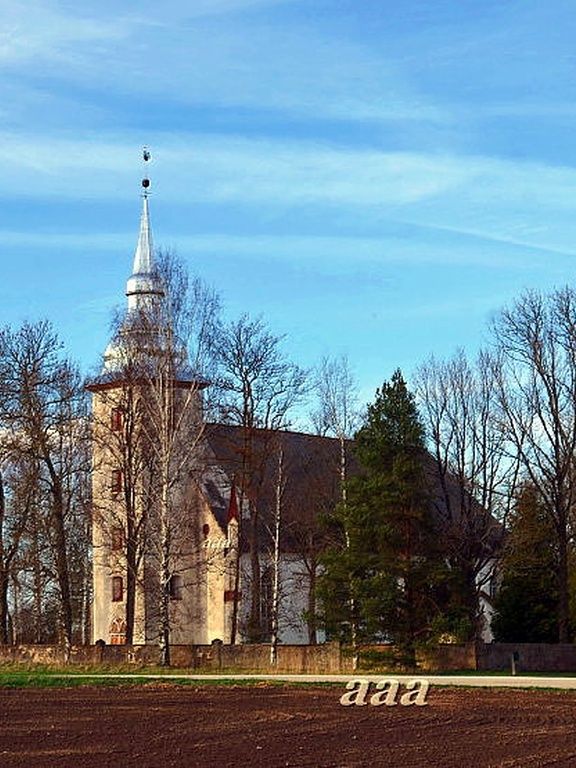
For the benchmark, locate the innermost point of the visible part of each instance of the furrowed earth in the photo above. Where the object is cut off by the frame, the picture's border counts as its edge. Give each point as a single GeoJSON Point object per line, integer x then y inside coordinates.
{"type": "Point", "coordinates": [159, 724]}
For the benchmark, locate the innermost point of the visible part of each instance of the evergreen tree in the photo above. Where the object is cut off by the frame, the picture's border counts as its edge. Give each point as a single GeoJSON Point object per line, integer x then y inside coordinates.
{"type": "Point", "coordinates": [527, 603]}
{"type": "Point", "coordinates": [382, 570]}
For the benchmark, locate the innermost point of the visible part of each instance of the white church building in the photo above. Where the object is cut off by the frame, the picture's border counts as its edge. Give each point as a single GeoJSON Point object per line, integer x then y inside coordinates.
{"type": "Point", "coordinates": [215, 523]}
{"type": "Point", "coordinates": [186, 542]}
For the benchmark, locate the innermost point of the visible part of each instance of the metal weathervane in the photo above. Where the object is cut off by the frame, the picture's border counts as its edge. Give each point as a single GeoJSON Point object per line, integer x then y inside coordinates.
{"type": "Point", "coordinates": [146, 156]}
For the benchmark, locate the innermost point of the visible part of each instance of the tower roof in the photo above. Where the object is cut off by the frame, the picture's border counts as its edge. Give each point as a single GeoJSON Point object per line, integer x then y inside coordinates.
{"type": "Point", "coordinates": [144, 283]}
{"type": "Point", "coordinates": [145, 333]}
{"type": "Point", "coordinates": [144, 261]}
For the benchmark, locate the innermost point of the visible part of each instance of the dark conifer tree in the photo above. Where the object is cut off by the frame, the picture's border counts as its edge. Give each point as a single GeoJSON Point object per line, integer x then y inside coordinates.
{"type": "Point", "coordinates": [527, 603]}
{"type": "Point", "coordinates": [383, 569]}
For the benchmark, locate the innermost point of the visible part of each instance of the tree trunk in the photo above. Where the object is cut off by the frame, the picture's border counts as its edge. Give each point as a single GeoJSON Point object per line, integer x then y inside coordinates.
{"type": "Point", "coordinates": [276, 565]}
{"type": "Point", "coordinates": [311, 620]}
{"type": "Point", "coordinates": [61, 561]}
{"type": "Point", "coordinates": [563, 588]}
{"type": "Point", "coordinates": [4, 618]}
{"type": "Point", "coordinates": [131, 567]}
{"type": "Point", "coordinates": [4, 572]}
{"type": "Point", "coordinates": [236, 595]}
{"type": "Point", "coordinates": [255, 623]}
{"type": "Point", "coordinates": [165, 552]}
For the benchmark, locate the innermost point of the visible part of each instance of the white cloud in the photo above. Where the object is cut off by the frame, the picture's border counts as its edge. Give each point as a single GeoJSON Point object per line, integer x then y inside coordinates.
{"type": "Point", "coordinates": [342, 255]}
{"type": "Point", "coordinates": [210, 168]}
{"type": "Point", "coordinates": [224, 169]}
{"type": "Point", "coordinates": [33, 31]}
{"type": "Point", "coordinates": [50, 30]}
{"type": "Point", "coordinates": [211, 53]}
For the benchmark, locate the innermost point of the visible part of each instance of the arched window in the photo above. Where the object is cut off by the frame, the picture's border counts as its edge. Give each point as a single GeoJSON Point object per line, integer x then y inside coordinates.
{"type": "Point", "coordinates": [117, 589]}
{"type": "Point", "coordinates": [116, 481]}
{"type": "Point", "coordinates": [117, 538]}
{"type": "Point", "coordinates": [175, 587]}
{"type": "Point", "coordinates": [116, 419]}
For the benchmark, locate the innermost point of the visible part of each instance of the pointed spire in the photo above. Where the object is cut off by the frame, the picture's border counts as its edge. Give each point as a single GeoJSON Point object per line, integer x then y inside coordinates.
{"type": "Point", "coordinates": [144, 259]}
{"type": "Point", "coordinates": [144, 282]}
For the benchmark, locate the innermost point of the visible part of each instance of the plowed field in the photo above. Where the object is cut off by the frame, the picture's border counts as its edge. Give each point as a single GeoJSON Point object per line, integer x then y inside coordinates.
{"type": "Point", "coordinates": [160, 725]}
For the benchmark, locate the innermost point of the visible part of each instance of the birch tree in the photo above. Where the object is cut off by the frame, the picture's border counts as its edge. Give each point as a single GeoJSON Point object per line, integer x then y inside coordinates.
{"type": "Point", "coordinates": [159, 346]}
{"type": "Point", "coordinates": [337, 415]}
{"type": "Point", "coordinates": [259, 387]}
{"type": "Point", "coordinates": [276, 564]}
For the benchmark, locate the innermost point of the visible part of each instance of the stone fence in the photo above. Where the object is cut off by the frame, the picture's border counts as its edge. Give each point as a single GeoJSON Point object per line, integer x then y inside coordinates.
{"type": "Point", "coordinates": [526, 657]}
{"type": "Point", "coordinates": [291, 659]}
{"type": "Point", "coordinates": [328, 658]}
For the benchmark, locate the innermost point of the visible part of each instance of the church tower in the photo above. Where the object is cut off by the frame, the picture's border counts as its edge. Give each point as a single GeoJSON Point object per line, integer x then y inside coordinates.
{"type": "Point", "coordinates": [150, 567]}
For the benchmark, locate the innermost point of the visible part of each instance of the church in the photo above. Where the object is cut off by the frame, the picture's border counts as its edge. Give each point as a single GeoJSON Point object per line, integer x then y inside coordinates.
{"type": "Point", "coordinates": [185, 547]}
{"type": "Point", "coordinates": [203, 531]}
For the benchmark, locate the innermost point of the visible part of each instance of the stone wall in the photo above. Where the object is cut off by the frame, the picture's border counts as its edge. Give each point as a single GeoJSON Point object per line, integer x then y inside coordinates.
{"type": "Point", "coordinates": [294, 659]}
{"type": "Point", "coordinates": [326, 659]}
{"type": "Point", "coordinates": [527, 657]}
{"type": "Point", "coordinates": [450, 657]}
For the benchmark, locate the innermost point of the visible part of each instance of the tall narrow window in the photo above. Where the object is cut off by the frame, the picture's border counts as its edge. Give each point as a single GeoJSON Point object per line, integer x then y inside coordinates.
{"type": "Point", "coordinates": [117, 538]}
{"type": "Point", "coordinates": [115, 419]}
{"type": "Point", "coordinates": [175, 587]}
{"type": "Point", "coordinates": [116, 481]}
{"type": "Point", "coordinates": [117, 589]}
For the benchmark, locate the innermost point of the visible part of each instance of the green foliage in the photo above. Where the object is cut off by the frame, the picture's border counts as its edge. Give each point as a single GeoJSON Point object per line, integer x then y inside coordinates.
{"type": "Point", "coordinates": [451, 626]}
{"type": "Point", "coordinates": [527, 603]}
{"type": "Point", "coordinates": [383, 573]}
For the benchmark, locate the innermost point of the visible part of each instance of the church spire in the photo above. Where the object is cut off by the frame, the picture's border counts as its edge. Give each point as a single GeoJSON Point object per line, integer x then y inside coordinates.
{"type": "Point", "coordinates": [144, 284]}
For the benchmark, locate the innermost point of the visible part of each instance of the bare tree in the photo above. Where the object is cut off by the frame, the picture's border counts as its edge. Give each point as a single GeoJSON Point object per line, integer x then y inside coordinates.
{"type": "Point", "coordinates": [337, 412]}
{"type": "Point", "coordinates": [13, 521]}
{"type": "Point", "coordinates": [536, 384]}
{"type": "Point", "coordinates": [33, 588]}
{"type": "Point", "coordinates": [259, 387]}
{"type": "Point", "coordinates": [317, 476]}
{"type": "Point", "coordinates": [276, 563]}
{"type": "Point", "coordinates": [150, 430]}
{"type": "Point", "coordinates": [43, 411]}
{"type": "Point", "coordinates": [472, 475]}
{"type": "Point", "coordinates": [337, 415]}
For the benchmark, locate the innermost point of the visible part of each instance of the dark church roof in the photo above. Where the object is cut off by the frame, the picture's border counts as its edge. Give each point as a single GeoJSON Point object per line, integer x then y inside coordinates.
{"type": "Point", "coordinates": [310, 481]}
{"type": "Point", "coordinates": [307, 467]}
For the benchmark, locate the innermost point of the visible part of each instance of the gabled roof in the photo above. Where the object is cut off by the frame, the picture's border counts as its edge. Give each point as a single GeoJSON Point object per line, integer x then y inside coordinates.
{"type": "Point", "coordinates": [309, 467]}
{"type": "Point", "coordinates": [310, 482]}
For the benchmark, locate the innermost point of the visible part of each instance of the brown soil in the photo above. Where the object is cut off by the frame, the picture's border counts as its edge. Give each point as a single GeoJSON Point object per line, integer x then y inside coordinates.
{"type": "Point", "coordinates": [155, 726]}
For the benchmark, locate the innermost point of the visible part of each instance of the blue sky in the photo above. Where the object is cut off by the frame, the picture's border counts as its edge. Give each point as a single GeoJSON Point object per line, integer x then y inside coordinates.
{"type": "Point", "coordinates": [376, 178]}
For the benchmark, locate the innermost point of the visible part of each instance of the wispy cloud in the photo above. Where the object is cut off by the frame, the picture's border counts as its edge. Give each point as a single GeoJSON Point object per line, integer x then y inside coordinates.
{"type": "Point", "coordinates": [213, 53]}
{"type": "Point", "coordinates": [345, 255]}
{"type": "Point", "coordinates": [41, 31]}
{"type": "Point", "coordinates": [518, 203]}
